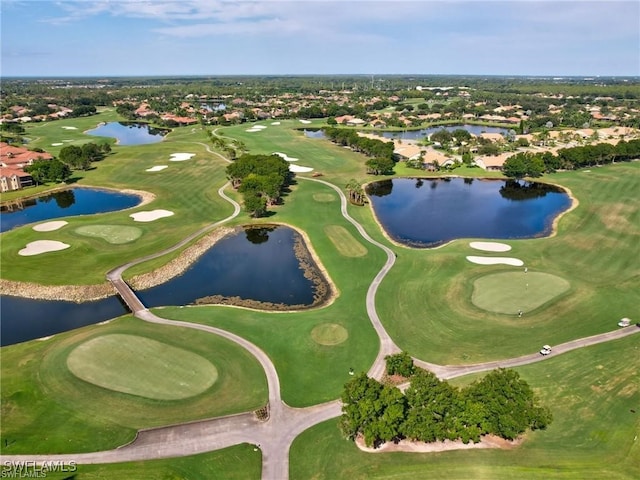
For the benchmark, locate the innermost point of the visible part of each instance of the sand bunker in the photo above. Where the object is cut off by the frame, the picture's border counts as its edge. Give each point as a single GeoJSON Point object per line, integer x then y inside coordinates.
{"type": "Point", "coordinates": [251, 130]}
{"type": "Point", "coordinates": [150, 216]}
{"type": "Point", "coordinates": [305, 121]}
{"type": "Point", "coordinates": [496, 261]}
{"type": "Point", "coordinates": [300, 169]}
{"type": "Point", "coordinates": [275, 123]}
{"type": "Point", "coordinates": [42, 246]}
{"type": "Point", "coordinates": [181, 157]}
{"type": "Point", "coordinates": [157, 168]}
{"type": "Point", "coordinates": [70, 128]}
{"type": "Point", "coordinates": [57, 144]}
{"type": "Point", "coordinates": [286, 157]}
{"type": "Point", "coordinates": [490, 246]}
{"type": "Point", "coordinates": [49, 226]}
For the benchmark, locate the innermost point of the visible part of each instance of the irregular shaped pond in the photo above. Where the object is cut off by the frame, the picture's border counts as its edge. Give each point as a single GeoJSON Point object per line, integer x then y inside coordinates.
{"type": "Point", "coordinates": [429, 212]}
{"type": "Point", "coordinates": [65, 203]}
{"type": "Point", "coordinates": [129, 133]}
{"type": "Point", "coordinates": [261, 267]}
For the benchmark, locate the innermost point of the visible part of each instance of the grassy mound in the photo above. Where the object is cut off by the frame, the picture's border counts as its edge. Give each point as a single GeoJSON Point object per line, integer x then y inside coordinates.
{"type": "Point", "coordinates": [324, 197]}
{"type": "Point", "coordinates": [344, 242]}
{"type": "Point", "coordinates": [141, 366]}
{"type": "Point", "coordinates": [329, 334]}
{"type": "Point", "coordinates": [115, 234]}
{"type": "Point", "coordinates": [511, 292]}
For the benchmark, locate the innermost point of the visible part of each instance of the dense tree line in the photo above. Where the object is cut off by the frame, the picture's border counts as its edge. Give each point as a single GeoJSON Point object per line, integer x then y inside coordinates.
{"type": "Point", "coordinates": [381, 153]}
{"type": "Point", "coordinates": [261, 179]}
{"type": "Point", "coordinates": [81, 157]}
{"type": "Point", "coordinates": [46, 171]}
{"type": "Point", "coordinates": [432, 410]}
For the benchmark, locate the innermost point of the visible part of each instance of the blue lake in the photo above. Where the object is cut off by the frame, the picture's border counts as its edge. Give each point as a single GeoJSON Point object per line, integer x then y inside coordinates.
{"type": "Point", "coordinates": [425, 132]}
{"type": "Point", "coordinates": [430, 212]}
{"type": "Point", "coordinates": [64, 203]}
{"type": "Point", "coordinates": [129, 133]}
{"type": "Point", "coordinates": [258, 264]}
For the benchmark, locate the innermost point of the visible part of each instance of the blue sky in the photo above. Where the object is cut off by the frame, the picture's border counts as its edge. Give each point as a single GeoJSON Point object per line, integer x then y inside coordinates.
{"type": "Point", "coordinates": [275, 37]}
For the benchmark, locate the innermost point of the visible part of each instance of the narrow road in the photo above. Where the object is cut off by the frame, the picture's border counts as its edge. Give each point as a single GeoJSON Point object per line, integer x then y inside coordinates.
{"type": "Point", "coordinates": [275, 435]}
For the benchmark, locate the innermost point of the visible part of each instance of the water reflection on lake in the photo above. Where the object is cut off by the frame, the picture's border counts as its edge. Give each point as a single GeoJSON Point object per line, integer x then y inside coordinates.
{"type": "Point", "coordinates": [427, 212]}
{"type": "Point", "coordinates": [129, 133]}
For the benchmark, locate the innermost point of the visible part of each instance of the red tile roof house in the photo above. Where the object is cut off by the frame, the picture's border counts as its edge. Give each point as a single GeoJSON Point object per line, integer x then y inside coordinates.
{"type": "Point", "coordinates": [12, 161]}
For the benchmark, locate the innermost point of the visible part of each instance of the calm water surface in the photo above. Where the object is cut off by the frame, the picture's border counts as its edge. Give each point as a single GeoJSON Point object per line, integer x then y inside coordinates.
{"type": "Point", "coordinates": [129, 133]}
{"type": "Point", "coordinates": [425, 132]}
{"type": "Point", "coordinates": [65, 203]}
{"type": "Point", "coordinates": [430, 212]}
{"type": "Point", "coordinates": [255, 264]}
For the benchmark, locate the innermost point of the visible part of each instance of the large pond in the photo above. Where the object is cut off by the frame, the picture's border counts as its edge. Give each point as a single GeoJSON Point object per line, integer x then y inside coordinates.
{"type": "Point", "coordinates": [64, 203]}
{"type": "Point", "coordinates": [425, 132]}
{"type": "Point", "coordinates": [129, 133]}
{"type": "Point", "coordinates": [423, 212]}
{"type": "Point", "coordinates": [258, 266]}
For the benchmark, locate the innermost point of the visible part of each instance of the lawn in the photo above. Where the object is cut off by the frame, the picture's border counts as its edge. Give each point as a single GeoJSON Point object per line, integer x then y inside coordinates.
{"type": "Point", "coordinates": [48, 409]}
{"type": "Point", "coordinates": [594, 394]}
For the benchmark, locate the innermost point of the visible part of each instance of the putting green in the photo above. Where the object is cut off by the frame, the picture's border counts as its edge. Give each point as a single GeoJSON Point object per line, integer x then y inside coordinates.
{"type": "Point", "coordinates": [115, 234]}
{"type": "Point", "coordinates": [511, 292]}
{"type": "Point", "coordinates": [141, 366]}
{"type": "Point", "coordinates": [324, 197]}
{"type": "Point", "coordinates": [344, 242]}
{"type": "Point", "coordinates": [329, 334]}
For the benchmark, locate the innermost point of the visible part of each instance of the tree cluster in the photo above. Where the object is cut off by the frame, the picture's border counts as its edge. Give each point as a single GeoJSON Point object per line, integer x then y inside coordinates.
{"type": "Point", "coordinates": [381, 153]}
{"type": "Point", "coordinates": [431, 410]}
{"type": "Point", "coordinates": [45, 171]}
{"type": "Point", "coordinates": [261, 179]}
{"type": "Point", "coordinates": [81, 157]}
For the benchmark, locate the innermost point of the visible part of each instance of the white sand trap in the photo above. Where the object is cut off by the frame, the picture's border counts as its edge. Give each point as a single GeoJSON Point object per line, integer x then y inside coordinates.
{"type": "Point", "coordinates": [490, 246]}
{"type": "Point", "coordinates": [259, 127]}
{"type": "Point", "coordinates": [150, 216]}
{"type": "Point", "coordinates": [157, 168]}
{"type": "Point", "coordinates": [181, 157]}
{"type": "Point", "coordinates": [496, 261]}
{"type": "Point", "coordinates": [70, 128]}
{"type": "Point", "coordinates": [300, 169]}
{"type": "Point", "coordinates": [49, 226]}
{"type": "Point", "coordinates": [275, 123]}
{"type": "Point", "coordinates": [42, 246]}
{"type": "Point", "coordinates": [67, 141]}
{"type": "Point", "coordinates": [57, 144]}
{"type": "Point", "coordinates": [251, 130]}
{"type": "Point", "coordinates": [305, 121]}
{"type": "Point", "coordinates": [286, 157]}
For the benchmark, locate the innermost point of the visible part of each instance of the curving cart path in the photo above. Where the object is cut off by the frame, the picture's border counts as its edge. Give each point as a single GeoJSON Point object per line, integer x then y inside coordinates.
{"type": "Point", "coordinates": [274, 435]}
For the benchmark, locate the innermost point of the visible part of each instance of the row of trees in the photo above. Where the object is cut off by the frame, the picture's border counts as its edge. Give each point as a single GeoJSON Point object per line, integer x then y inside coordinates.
{"type": "Point", "coordinates": [381, 153]}
{"type": "Point", "coordinates": [527, 164]}
{"type": "Point", "coordinates": [432, 410]}
{"type": "Point", "coordinates": [81, 157]}
{"type": "Point", "coordinates": [261, 179]}
{"type": "Point", "coordinates": [48, 171]}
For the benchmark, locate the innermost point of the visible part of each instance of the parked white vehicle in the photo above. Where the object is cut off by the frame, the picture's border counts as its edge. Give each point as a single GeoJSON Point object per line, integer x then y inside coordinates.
{"type": "Point", "coordinates": [545, 350]}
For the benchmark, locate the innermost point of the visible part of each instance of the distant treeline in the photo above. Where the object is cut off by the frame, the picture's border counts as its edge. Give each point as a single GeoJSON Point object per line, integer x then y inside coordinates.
{"type": "Point", "coordinates": [368, 146]}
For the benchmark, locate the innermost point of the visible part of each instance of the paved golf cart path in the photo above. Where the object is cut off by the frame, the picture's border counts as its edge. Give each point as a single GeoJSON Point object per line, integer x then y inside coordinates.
{"type": "Point", "coordinates": [275, 435]}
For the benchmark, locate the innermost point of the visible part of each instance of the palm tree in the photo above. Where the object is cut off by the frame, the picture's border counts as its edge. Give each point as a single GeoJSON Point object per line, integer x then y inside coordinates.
{"type": "Point", "coordinates": [356, 192]}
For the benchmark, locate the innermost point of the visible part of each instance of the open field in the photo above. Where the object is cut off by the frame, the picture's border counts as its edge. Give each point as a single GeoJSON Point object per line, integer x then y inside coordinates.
{"type": "Point", "coordinates": [594, 394]}
{"type": "Point", "coordinates": [46, 408]}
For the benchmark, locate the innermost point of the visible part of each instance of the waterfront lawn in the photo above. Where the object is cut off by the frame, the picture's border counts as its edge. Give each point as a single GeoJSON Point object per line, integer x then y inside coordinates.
{"type": "Point", "coordinates": [425, 301]}
{"type": "Point", "coordinates": [239, 462]}
{"type": "Point", "coordinates": [47, 409]}
{"type": "Point", "coordinates": [593, 393]}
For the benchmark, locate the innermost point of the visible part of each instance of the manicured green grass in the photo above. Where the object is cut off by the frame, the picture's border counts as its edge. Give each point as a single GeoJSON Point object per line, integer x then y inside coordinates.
{"type": "Point", "coordinates": [47, 409]}
{"type": "Point", "coordinates": [512, 292]}
{"type": "Point", "coordinates": [329, 334]}
{"type": "Point", "coordinates": [141, 366]}
{"type": "Point", "coordinates": [240, 462]}
{"type": "Point", "coordinates": [594, 395]}
{"type": "Point", "coordinates": [116, 234]}
{"type": "Point", "coordinates": [344, 242]}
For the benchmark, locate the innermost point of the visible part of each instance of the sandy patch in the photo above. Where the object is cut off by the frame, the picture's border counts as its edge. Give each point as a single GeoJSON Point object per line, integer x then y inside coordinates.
{"type": "Point", "coordinates": [49, 226]}
{"type": "Point", "coordinates": [157, 168]}
{"type": "Point", "coordinates": [286, 157]}
{"type": "Point", "coordinates": [275, 123]}
{"type": "Point", "coordinates": [259, 127]}
{"type": "Point", "coordinates": [305, 121]}
{"type": "Point", "coordinates": [181, 157]}
{"type": "Point", "coordinates": [300, 169]}
{"type": "Point", "coordinates": [42, 246]}
{"type": "Point", "coordinates": [57, 144]}
{"type": "Point", "coordinates": [150, 216]}
{"type": "Point", "coordinates": [251, 130]}
{"type": "Point", "coordinates": [496, 261]}
{"type": "Point", "coordinates": [487, 441]}
{"type": "Point", "coordinates": [70, 128]}
{"type": "Point", "coordinates": [490, 246]}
